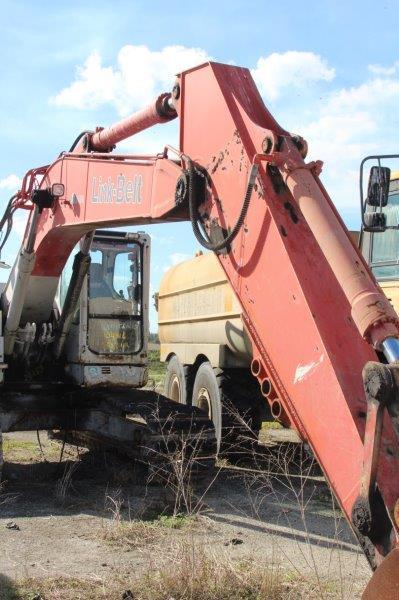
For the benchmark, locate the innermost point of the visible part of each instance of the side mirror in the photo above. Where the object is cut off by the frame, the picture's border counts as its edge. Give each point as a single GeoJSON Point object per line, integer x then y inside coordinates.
{"type": "Point", "coordinates": [378, 187]}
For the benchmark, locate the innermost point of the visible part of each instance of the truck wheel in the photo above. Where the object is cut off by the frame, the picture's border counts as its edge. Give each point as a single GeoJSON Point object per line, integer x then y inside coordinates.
{"type": "Point", "coordinates": [207, 395]}
{"type": "Point", "coordinates": [177, 381]}
{"type": "Point", "coordinates": [232, 403]}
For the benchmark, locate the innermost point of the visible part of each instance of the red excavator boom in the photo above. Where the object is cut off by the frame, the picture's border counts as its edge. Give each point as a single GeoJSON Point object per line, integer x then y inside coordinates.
{"type": "Point", "coordinates": [316, 316]}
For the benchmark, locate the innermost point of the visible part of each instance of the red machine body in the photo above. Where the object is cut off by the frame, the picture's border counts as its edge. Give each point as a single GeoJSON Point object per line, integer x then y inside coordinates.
{"type": "Point", "coordinates": [312, 309]}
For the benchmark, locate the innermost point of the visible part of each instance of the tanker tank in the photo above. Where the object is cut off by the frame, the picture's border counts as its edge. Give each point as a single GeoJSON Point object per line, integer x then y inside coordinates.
{"type": "Point", "coordinates": [199, 314]}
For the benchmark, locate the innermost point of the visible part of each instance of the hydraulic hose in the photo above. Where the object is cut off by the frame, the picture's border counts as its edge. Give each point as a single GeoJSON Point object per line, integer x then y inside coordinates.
{"type": "Point", "coordinates": [7, 218]}
{"type": "Point", "coordinates": [194, 216]}
{"type": "Point", "coordinates": [77, 140]}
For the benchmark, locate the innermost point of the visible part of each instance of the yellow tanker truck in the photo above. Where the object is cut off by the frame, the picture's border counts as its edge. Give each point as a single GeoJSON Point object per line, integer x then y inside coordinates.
{"type": "Point", "coordinates": [207, 351]}
{"type": "Point", "coordinates": [203, 340]}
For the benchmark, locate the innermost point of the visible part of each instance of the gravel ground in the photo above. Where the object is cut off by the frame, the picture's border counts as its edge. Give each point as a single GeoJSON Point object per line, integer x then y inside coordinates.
{"type": "Point", "coordinates": [282, 520]}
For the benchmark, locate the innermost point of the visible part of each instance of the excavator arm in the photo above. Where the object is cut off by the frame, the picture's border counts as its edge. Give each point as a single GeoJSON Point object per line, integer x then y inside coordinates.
{"type": "Point", "coordinates": [319, 323]}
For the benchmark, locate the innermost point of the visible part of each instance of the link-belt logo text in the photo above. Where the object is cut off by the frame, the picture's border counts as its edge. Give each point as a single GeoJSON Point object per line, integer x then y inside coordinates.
{"type": "Point", "coordinates": [121, 191]}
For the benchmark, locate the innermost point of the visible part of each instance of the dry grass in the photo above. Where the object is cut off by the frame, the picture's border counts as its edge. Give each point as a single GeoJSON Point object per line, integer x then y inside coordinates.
{"type": "Point", "coordinates": [185, 566]}
{"type": "Point", "coordinates": [181, 566]}
{"type": "Point", "coordinates": [134, 534]}
{"type": "Point", "coordinates": [197, 573]}
{"type": "Point", "coordinates": [184, 572]}
{"type": "Point", "coordinates": [156, 370]}
{"type": "Point", "coordinates": [298, 494]}
{"type": "Point", "coordinates": [129, 533]}
{"type": "Point", "coordinates": [137, 533]}
{"type": "Point", "coordinates": [23, 451]}
{"type": "Point", "coordinates": [16, 450]}
{"type": "Point", "coordinates": [61, 588]}
{"type": "Point", "coordinates": [64, 483]}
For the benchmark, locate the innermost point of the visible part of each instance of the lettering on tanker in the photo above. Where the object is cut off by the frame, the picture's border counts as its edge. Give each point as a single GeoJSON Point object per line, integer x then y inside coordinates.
{"type": "Point", "coordinates": [121, 191]}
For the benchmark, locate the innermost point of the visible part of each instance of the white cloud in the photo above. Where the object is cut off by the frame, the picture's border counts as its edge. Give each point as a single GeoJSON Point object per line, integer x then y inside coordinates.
{"type": "Point", "coordinates": [140, 73]}
{"type": "Point", "coordinates": [385, 71]}
{"type": "Point", "coordinates": [341, 124]}
{"type": "Point", "coordinates": [11, 182]}
{"type": "Point", "coordinates": [135, 80]}
{"type": "Point", "coordinates": [350, 124]}
{"type": "Point", "coordinates": [277, 73]}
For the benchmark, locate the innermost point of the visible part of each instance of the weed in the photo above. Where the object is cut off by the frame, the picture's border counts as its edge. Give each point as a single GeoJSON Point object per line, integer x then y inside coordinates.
{"type": "Point", "coordinates": [139, 533]}
{"type": "Point", "coordinates": [22, 451]}
{"type": "Point", "coordinates": [16, 450]}
{"type": "Point", "coordinates": [62, 588]}
{"type": "Point", "coordinates": [178, 521]}
{"type": "Point", "coordinates": [133, 534]}
{"type": "Point", "coordinates": [297, 492]}
{"type": "Point", "coordinates": [185, 572]}
{"type": "Point", "coordinates": [64, 483]}
{"type": "Point", "coordinates": [156, 370]}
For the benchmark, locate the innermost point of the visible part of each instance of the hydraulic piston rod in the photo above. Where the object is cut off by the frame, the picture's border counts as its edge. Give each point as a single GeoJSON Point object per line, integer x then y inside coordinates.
{"type": "Point", "coordinates": [371, 311]}
{"type": "Point", "coordinates": [80, 269]}
{"type": "Point", "coordinates": [390, 348]}
{"type": "Point", "coordinates": [160, 111]}
{"type": "Point", "coordinates": [18, 284]}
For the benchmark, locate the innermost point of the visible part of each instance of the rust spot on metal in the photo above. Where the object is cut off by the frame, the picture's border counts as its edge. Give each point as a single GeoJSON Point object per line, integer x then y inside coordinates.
{"type": "Point", "coordinates": [294, 217]}
{"type": "Point", "coordinates": [218, 162]}
{"type": "Point", "coordinates": [237, 137]}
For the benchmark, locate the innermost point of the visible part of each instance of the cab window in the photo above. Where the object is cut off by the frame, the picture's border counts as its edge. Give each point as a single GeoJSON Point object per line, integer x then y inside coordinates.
{"type": "Point", "coordinates": [385, 245]}
{"type": "Point", "coordinates": [114, 286]}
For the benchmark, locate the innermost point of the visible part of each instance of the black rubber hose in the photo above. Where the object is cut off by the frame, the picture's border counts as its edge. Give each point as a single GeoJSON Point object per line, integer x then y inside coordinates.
{"type": "Point", "coordinates": [205, 241]}
{"type": "Point", "coordinates": [75, 143]}
{"type": "Point", "coordinates": [8, 230]}
{"type": "Point", "coordinates": [7, 211]}
{"type": "Point", "coordinates": [7, 218]}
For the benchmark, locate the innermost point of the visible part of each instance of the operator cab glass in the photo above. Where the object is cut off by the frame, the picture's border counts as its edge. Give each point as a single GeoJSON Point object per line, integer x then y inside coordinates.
{"type": "Point", "coordinates": [115, 298]}
{"type": "Point", "coordinates": [383, 247]}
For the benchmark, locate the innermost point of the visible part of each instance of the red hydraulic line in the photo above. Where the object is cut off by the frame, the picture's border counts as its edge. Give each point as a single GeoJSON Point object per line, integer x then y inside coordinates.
{"type": "Point", "coordinates": [159, 111]}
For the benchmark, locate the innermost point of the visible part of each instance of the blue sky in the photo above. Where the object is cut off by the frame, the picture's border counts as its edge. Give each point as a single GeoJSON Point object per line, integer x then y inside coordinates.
{"type": "Point", "coordinates": [328, 70]}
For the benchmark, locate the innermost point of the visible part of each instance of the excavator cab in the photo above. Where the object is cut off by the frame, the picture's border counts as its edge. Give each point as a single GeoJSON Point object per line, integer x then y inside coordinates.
{"type": "Point", "coordinates": [107, 341]}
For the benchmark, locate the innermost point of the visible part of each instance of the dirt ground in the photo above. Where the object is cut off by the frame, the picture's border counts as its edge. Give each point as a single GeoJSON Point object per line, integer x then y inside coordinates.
{"type": "Point", "coordinates": [63, 519]}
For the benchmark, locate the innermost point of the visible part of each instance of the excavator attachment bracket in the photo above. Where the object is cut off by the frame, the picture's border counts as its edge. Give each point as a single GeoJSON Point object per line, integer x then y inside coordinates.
{"type": "Point", "coordinates": [369, 515]}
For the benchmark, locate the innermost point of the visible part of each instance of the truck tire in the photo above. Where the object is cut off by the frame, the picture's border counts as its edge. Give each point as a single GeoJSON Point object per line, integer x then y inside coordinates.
{"type": "Point", "coordinates": [232, 404]}
{"type": "Point", "coordinates": [207, 395]}
{"type": "Point", "coordinates": [177, 385]}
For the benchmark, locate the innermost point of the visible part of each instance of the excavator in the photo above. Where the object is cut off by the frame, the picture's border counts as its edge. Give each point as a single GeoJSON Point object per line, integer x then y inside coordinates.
{"type": "Point", "coordinates": [325, 338]}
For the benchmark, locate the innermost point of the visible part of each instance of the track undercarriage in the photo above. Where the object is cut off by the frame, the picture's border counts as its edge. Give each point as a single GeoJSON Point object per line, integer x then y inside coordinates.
{"type": "Point", "coordinates": [140, 424]}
